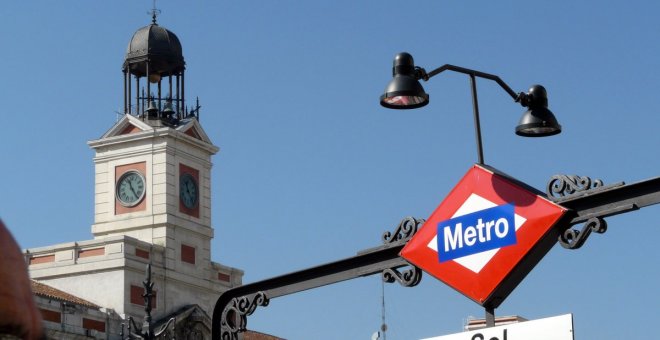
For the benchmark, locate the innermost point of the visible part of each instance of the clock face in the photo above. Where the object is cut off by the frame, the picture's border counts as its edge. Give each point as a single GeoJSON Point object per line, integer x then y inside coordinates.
{"type": "Point", "coordinates": [130, 188]}
{"type": "Point", "coordinates": [188, 191]}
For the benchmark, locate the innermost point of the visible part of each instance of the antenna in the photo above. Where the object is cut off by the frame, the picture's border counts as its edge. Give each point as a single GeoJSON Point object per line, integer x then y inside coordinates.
{"type": "Point", "coordinates": [154, 13]}
{"type": "Point", "coordinates": [383, 326]}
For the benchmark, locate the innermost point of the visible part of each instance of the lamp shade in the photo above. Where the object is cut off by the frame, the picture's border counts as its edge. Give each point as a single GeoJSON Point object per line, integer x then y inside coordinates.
{"type": "Point", "coordinates": [538, 121]}
{"type": "Point", "coordinates": [404, 90]}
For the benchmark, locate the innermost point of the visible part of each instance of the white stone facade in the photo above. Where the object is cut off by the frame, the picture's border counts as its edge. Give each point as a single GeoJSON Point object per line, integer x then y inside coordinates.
{"type": "Point", "coordinates": [70, 321]}
{"type": "Point", "coordinates": [106, 279]}
{"type": "Point", "coordinates": [161, 149]}
{"type": "Point", "coordinates": [109, 270]}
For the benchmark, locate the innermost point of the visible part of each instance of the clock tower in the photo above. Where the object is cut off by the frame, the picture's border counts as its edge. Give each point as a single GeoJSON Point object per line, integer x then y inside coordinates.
{"type": "Point", "coordinates": [153, 181]}
{"type": "Point", "coordinates": [152, 200]}
{"type": "Point", "coordinates": [153, 167]}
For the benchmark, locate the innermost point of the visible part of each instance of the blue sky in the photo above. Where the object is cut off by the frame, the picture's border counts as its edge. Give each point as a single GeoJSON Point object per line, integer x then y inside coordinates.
{"type": "Point", "coordinates": [312, 169]}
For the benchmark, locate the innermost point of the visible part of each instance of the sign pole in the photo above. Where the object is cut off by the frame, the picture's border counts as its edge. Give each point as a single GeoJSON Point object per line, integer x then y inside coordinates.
{"type": "Point", "coordinates": [490, 317]}
{"type": "Point", "coordinates": [477, 124]}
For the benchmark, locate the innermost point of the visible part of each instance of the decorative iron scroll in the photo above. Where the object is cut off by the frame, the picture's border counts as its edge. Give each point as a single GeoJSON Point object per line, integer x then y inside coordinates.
{"type": "Point", "coordinates": [167, 332]}
{"type": "Point", "coordinates": [574, 239]}
{"type": "Point", "coordinates": [405, 231]}
{"type": "Point", "coordinates": [561, 186]}
{"type": "Point", "coordinates": [236, 304]}
{"type": "Point", "coordinates": [234, 317]}
{"type": "Point", "coordinates": [407, 278]}
{"type": "Point", "coordinates": [411, 275]}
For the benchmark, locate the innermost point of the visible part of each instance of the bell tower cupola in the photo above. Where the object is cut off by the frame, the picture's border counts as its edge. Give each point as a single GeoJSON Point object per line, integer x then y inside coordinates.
{"type": "Point", "coordinates": [153, 167]}
{"type": "Point", "coordinates": [154, 69]}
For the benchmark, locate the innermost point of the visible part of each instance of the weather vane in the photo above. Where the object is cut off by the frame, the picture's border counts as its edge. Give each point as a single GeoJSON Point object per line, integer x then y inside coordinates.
{"type": "Point", "coordinates": [154, 13]}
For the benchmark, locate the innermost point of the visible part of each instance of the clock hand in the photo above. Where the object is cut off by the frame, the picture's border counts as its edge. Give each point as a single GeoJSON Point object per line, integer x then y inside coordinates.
{"type": "Point", "coordinates": [130, 185]}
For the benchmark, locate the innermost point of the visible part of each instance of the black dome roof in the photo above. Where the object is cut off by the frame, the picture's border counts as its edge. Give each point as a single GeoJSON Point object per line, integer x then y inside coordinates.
{"type": "Point", "coordinates": [157, 45]}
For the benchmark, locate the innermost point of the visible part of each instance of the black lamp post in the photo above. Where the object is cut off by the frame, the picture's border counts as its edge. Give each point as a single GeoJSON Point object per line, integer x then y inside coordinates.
{"type": "Point", "coordinates": [405, 92]}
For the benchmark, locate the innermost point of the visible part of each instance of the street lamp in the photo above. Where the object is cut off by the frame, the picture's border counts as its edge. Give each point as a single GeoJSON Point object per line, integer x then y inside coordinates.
{"type": "Point", "coordinates": [587, 201]}
{"type": "Point", "coordinates": [405, 92]}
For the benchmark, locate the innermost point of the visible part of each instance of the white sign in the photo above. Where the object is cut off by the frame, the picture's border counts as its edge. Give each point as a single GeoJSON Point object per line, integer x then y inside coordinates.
{"type": "Point", "coordinates": [553, 328]}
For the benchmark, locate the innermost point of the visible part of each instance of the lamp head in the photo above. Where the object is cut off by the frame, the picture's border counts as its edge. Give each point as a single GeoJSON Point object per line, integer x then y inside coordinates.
{"type": "Point", "coordinates": [404, 90]}
{"type": "Point", "coordinates": [538, 121]}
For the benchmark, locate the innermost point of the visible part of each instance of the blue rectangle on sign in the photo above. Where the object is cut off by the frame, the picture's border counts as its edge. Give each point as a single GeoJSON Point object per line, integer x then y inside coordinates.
{"type": "Point", "coordinates": [476, 232]}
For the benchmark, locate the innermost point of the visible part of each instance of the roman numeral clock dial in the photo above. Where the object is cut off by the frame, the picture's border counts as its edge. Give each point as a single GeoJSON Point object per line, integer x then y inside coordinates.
{"type": "Point", "coordinates": [188, 191]}
{"type": "Point", "coordinates": [130, 188]}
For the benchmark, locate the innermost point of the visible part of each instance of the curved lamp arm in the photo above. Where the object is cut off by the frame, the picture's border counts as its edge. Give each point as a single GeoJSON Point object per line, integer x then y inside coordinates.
{"type": "Point", "coordinates": [520, 97]}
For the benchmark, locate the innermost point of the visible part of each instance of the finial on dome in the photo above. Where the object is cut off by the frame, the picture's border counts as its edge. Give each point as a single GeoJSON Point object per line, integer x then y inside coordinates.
{"type": "Point", "coordinates": [154, 13]}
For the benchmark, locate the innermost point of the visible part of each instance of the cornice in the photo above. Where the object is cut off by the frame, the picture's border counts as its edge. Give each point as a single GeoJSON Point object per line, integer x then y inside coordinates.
{"type": "Point", "coordinates": [150, 149]}
{"type": "Point", "coordinates": [151, 135]}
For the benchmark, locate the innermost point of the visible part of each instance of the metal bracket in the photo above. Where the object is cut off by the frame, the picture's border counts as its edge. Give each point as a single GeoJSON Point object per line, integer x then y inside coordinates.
{"type": "Point", "coordinates": [412, 275]}
{"type": "Point", "coordinates": [404, 231]}
{"type": "Point", "coordinates": [561, 186]}
{"type": "Point", "coordinates": [574, 239]}
{"type": "Point", "coordinates": [407, 278]}
{"type": "Point", "coordinates": [234, 317]}
{"type": "Point", "coordinates": [587, 202]}
{"type": "Point", "coordinates": [568, 187]}
{"type": "Point", "coordinates": [234, 305]}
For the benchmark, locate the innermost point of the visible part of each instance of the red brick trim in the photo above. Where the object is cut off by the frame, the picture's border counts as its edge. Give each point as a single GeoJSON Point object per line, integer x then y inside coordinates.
{"type": "Point", "coordinates": [141, 253]}
{"type": "Point", "coordinates": [42, 259]}
{"type": "Point", "coordinates": [91, 252]}
{"type": "Point", "coordinates": [137, 299]}
{"type": "Point", "coordinates": [93, 324]}
{"type": "Point", "coordinates": [51, 315]}
{"type": "Point", "coordinates": [187, 254]}
{"type": "Point", "coordinates": [224, 277]}
{"type": "Point", "coordinates": [192, 132]}
{"type": "Point", "coordinates": [130, 128]}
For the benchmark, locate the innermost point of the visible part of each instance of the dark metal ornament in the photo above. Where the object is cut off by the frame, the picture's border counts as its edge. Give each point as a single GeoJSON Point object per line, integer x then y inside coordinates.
{"type": "Point", "coordinates": [574, 239]}
{"type": "Point", "coordinates": [561, 186]}
{"type": "Point", "coordinates": [147, 331]}
{"type": "Point", "coordinates": [404, 231]}
{"type": "Point", "coordinates": [234, 305]}
{"type": "Point", "coordinates": [410, 277]}
{"type": "Point", "coordinates": [234, 317]}
{"type": "Point", "coordinates": [154, 53]}
{"type": "Point", "coordinates": [564, 187]}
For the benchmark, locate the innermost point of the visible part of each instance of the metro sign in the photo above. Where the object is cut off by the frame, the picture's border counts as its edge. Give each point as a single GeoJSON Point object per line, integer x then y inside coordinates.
{"type": "Point", "coordinates": [486, 236]}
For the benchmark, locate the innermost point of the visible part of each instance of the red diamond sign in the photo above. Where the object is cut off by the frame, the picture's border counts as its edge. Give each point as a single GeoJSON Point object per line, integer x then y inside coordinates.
{"type": "Point", "coordinates": [486, 236]}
